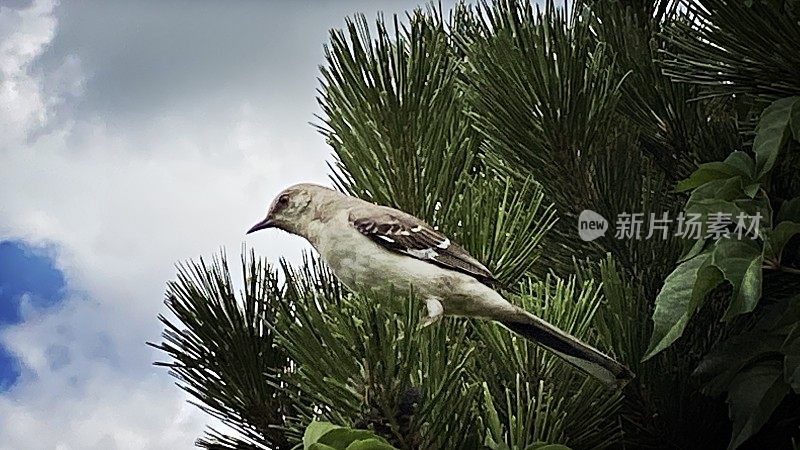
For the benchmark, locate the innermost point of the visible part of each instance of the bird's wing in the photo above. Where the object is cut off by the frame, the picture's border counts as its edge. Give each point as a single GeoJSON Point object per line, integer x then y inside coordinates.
{"type": "Point", "coordinates": [403, 233]}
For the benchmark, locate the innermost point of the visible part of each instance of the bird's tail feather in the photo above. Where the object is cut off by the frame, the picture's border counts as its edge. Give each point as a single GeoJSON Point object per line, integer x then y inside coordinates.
{"type": "Point", "coordinates": [570, 348]}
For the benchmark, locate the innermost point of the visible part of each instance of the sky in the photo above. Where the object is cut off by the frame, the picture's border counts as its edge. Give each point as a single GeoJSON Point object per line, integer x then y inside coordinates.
{"type": "Point", "coordinates": [135, 135]}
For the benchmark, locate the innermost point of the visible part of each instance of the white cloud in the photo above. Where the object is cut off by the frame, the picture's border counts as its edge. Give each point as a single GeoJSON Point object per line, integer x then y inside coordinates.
{"type": "Point", "coordinates": [23, 34]}
{"type": "Point", "coordinates": [81, 388]}
{"type": "Point", "coordinates": [163, 154]}
{"type": "Point", "coordinates": [121, 218]}
{"type": "Point", "coordinates": [121, 205]}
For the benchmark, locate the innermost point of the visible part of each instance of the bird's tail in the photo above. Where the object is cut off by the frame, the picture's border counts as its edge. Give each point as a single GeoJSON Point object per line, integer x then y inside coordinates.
{"type": "Point", "coordinates": [570, 348]}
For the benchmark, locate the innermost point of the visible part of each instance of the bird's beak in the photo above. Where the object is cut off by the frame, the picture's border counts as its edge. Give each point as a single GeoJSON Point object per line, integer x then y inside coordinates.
{"type": "Point", "coordinates": [266, 223]}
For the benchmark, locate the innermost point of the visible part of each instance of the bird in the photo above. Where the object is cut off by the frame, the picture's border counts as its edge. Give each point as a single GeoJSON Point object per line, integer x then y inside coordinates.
{"type": "Point", "coordinates": [380, 249]}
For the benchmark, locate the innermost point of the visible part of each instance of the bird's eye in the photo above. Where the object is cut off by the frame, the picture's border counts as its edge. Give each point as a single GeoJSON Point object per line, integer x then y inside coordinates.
{"type": "Point", "coordinates": [283, 199]}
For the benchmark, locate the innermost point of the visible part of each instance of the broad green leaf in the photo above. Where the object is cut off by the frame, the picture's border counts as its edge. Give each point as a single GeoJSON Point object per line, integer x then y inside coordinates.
{"type": "Point", "coordinates": [780, 317]}
{"type": "Point", "coordinates": [778, 237]}
{"type": "Point", "coordinates": [772, 133]}
{"type": "Point", "coordinates": [693, 248]}
{"type": "Point", "coordinates": [727, 189]}
{"type": "Point", "coordinates": [789, 210]}
{"type": "Point", "coordinates": [342, 437]}
{"type": "Point", "coordinates": [727, 359]}
{"type": "Point", "coordinates": [705, 207]}
{"type": "Point", "coordinates": [736, 164]}
{"type": "Point", "coordinates": [706, 172]}
{"type": "Point", "coordinates": [795, 375]}
{"type": "Point", "coordinates": [315, 430]}
{"type": "Point", "coordinates": [756, 206]}
{"type": "Point", "coordinates": [716, 196]}
{"type": "Point", "coordinates": [541, 446]}
{"type": "Point", "coordinates": [753, 396]}
{"type": "Point", "coordinates": [776, 333]}
{"type": "Point", "coordinates": [794, 120]}
{"type": "Point", "coordinates": [791, 363]}
{"type": "Point", "coordinates": [791, 347]}
{"type": "Point", "coordinates": [784, 317]}
{"type": "Point", "coordinates": [370, 444]}
{"type": "Point", "coordinates": [752, 189]}
{"type": "Point", "coordinates": [742, 164]}
{"type": "Point", "coordinates": [683, 292]}
{"type": "Point", "coordinates": [740, 263]}
{"type": "Point", "coordinates": [318, 446]}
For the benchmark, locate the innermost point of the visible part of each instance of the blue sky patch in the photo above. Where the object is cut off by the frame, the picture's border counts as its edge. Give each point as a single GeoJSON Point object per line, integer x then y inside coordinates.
{"type": "Point", "coordinates": [25, 272]}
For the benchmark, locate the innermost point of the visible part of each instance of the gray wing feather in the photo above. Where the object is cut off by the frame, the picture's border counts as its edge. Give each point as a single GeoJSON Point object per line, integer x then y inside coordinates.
{"type": "Point", "coordinates": [403, 233]}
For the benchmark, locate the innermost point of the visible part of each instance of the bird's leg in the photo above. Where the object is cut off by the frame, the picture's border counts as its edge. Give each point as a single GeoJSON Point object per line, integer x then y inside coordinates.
{"type": "Point", "coordinates": [435, 311]}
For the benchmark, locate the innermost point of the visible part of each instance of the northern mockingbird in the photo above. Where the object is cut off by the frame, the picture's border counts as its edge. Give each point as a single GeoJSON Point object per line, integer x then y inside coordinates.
{"type": "Point", "coordinates": [378, 248]}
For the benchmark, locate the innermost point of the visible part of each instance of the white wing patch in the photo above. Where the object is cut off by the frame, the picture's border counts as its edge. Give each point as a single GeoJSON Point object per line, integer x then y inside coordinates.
{"type": "Point", "coordinates": [398, 232]}
{"type": "Point", "coordinates": [426, 253]}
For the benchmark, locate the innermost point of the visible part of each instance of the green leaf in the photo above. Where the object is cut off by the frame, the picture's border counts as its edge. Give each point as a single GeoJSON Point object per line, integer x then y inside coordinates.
{"type": "Point", "coordinates": [789, 318]}
{"type": "Point", "coordinates": [740, 263]}
{"type": "Point", "coordinates": [752, 189]}
{"type": "Point", "coordinates": [772, 133]}
{"type": "Point", "coordinates": [728, 189]}
{"type": "Point", "coordinates": [370, 444]}
{"type": "Point", "coordinates": [318, 446]}
{"type": "Point", "coordinates": [694, 248]}
{"type": "Point", "coordinates": [706, 172]}
{"type": "Point", "coordinates": [325, 435]}
{"type": "Point", "coordinates": [794, 121]}
{"type": "Point", "coordinates": [717, 196]}
{"type": "Point", "coordinates": [315, 430]}
{"type": "Point", "coordinates": [780, 317]}
{"type": "Point", "coordinates": [736, 164]}
{"type": "Point", "coordinates": [775, 336]}
{"type": "Point", "coordinates": [542, 446]}
{"type": "Point", "coordinates": [753, 396]}
{"type": "Point", "coordinates": [742, 164]}
{"type": "Point", "coordinates": [342, 437]}
{"type": "Point", "coordinates": [728, 358]}
{"type": "Point", "coordinates": [778, 237]}
{"type": "Point", "coordinates": [790, 210]}
{"type": "Point", "coordinates": [706, 207]}
{"type": "Point", "coordinates": [683, 292]}
{"type": "Point", "coordinates": [791, 363]}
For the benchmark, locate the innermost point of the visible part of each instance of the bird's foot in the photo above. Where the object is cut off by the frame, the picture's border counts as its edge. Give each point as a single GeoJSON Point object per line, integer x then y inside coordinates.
{"type": "Point", "coordinates": [435, 312]}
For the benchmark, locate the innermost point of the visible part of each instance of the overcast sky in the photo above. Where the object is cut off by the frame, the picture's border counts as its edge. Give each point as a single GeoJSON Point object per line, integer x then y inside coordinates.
{"type": "Point", "coordinates": [134, 135]}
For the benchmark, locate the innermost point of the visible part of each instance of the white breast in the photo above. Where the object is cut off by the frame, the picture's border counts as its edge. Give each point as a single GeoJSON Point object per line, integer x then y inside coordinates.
{"type": "Point", "coordinates": [363, 265]}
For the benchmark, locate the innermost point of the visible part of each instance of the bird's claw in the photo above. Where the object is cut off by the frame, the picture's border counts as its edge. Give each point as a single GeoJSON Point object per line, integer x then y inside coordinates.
{"type": "Point", "coordinates": [435, 312]}
{"type": "Point", "coordinates": [428, 320]}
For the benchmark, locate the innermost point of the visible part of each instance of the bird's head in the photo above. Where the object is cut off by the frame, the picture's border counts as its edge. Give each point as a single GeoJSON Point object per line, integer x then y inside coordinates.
{"type": "Point", "coordinates": [292, 210]}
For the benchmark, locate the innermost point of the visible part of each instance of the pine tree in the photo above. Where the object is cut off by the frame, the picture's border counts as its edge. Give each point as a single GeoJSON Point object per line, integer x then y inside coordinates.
{"type": "Point", "coordinates": [499, 124]}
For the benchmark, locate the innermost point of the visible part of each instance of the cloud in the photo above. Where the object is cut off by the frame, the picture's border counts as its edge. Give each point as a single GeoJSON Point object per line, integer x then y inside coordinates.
{"type": "Point", "coordinates": [23, 34]}
{"type": "Point", "coordinates": [137, 135]}
{"type": "Point", "coordinates": [82, 388]}
{"type": "Point", "coordinates": [120, 204]}
{"type": "Point", "coordinates": [121, 218]}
